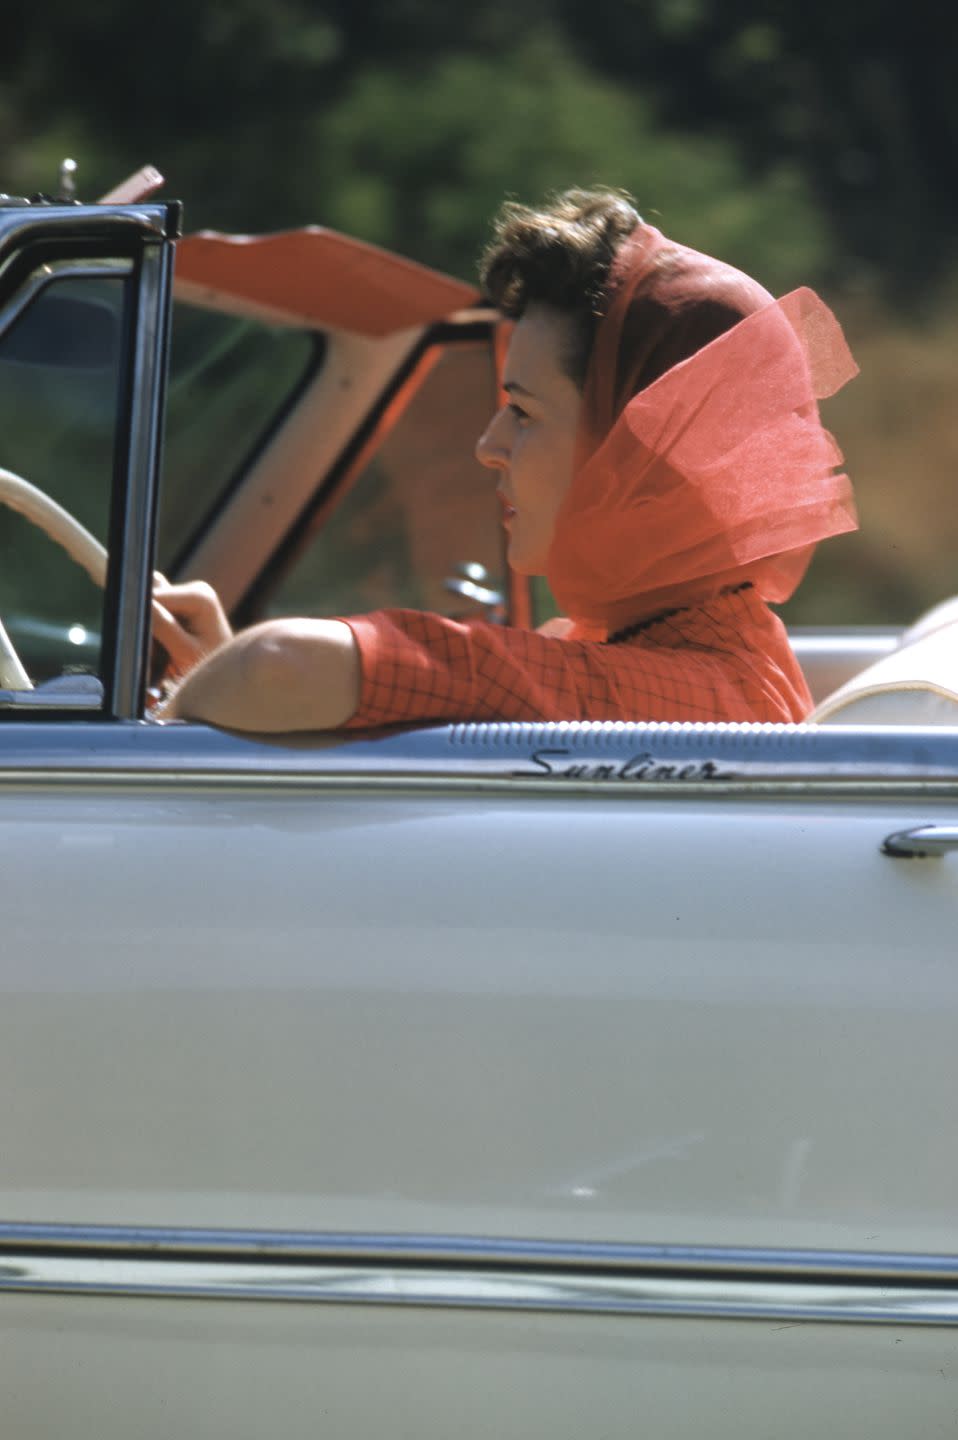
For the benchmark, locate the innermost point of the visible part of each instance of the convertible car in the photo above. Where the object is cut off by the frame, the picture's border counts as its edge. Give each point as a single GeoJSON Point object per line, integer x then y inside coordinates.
{"type": "Point", "coordinates": [523, 1080]}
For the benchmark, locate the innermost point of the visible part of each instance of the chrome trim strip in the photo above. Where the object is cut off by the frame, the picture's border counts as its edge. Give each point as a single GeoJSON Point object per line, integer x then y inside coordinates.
{"type": "Point", "coordinates": [559, 758]}
{"type": "Point", "coordinates": [717, 1297]}
{"type": "Point", "coordinates": [382, 784]}
{"type": "Point", "coordinates": [466, 1272]}
{"type": "Point", "coordinates": [21, 224]}
{"type": "Point", "coordinates": [147, 383]}
{"type": "Point", "coordinates": [343, 1245]}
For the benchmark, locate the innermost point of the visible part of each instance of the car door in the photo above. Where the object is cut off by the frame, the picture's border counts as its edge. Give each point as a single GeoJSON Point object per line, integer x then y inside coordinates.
{"type": "Point", "coordinates": [485, 1079]}
{"type": "Point", "coordinates": [573, 1074]}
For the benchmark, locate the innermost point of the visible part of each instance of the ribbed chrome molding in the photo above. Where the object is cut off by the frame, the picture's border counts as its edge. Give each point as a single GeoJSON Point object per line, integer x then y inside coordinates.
{"type": "Point", "coordinates": [469, 1273]}
{"type": "Point", "coordinates": [554, 758]}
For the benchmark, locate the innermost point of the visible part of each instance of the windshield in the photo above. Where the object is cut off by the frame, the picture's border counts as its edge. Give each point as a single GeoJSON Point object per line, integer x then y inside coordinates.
{"type": "Point", "coordinates": [59, 396]}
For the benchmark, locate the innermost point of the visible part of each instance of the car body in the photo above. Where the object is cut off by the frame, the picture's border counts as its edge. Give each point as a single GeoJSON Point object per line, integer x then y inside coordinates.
{"type": "Point", "coordinates": [479, 1079]}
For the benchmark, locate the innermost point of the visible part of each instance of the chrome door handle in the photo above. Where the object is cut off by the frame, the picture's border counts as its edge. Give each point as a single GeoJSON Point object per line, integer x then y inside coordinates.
{"type": "Point", "coordinates": [921, 842]}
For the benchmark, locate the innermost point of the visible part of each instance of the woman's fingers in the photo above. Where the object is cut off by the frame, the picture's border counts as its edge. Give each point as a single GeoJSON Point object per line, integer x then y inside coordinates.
{"type": "Point", "coordinates": [188, 621]}
{"type": "Point", "coordinates": [196, 607]}
{"type": "Point", "coordinates": [178, 643]}
{"type": "Point", "coordinates": [192, 597]}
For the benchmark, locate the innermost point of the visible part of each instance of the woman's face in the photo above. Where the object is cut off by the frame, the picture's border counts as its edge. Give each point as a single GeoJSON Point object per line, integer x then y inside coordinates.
{"type": "Point", "coordinates": [531, 440]}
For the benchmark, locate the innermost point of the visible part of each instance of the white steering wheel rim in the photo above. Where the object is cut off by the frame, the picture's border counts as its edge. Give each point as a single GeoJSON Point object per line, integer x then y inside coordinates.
{"type": "Point", "coordinates": [12, 674]}
{"type": "Point", "coordinates": [19, 495]}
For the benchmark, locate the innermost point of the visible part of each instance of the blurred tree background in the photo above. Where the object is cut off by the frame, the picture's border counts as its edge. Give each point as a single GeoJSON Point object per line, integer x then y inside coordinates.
{"type": "Point", "coordinates": [808, 141]}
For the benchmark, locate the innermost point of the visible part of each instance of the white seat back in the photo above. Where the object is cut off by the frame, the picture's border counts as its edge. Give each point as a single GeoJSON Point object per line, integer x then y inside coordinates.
{"type": "Point", "coordinates": [917, 684]}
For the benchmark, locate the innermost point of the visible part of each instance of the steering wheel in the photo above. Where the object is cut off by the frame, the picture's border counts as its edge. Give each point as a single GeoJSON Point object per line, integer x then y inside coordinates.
{"type": "Point", "coordinates": [82, 547]}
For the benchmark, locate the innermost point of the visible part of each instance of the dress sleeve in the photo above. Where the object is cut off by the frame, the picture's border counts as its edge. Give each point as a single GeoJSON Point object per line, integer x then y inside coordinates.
{"type": "Point", "coordinates": [729, 660]}
{"type": "Point", "coordinates": [419, 666]}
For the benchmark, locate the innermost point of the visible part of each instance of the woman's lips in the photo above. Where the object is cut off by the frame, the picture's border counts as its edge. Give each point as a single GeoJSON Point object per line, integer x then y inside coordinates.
{"type": "Point", "coordinates": [508, 509]}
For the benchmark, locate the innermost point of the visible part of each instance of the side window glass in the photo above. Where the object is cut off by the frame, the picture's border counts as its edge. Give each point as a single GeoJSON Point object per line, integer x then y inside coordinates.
{"type": "Point", "coordinates": [230, 378]}
{"type": "Point", "coordinates": [60, 343]}
{"type": "Point", "coordinates": [419, 526]}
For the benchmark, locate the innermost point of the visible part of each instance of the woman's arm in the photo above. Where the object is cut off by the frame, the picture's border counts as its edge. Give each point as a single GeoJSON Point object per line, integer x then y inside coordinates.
{"type": "Point", "coordinates": [282, 675]}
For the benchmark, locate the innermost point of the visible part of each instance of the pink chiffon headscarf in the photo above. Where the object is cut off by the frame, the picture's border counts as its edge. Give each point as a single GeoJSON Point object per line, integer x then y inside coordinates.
{"type": "Point", "coordinates": [701, 461]}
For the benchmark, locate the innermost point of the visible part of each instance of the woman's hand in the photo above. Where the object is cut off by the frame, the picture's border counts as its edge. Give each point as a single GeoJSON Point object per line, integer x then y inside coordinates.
{"type": "Point", "coordinates": [281, 675]}
{"type": "Point", "coordinates": [189, 622]}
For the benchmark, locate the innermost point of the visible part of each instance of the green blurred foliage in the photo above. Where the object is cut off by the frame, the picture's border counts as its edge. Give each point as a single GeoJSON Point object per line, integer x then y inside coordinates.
{"type": "Point", "coordinates": [410, 119]}
{"type": "Point", "coordinates": [464, 130]}
{"type": "Point", "coordinates": [861, 98]}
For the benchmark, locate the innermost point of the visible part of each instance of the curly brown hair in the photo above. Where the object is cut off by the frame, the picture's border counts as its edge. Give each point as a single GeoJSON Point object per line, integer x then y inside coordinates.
{"type": "Point", "coordinates": [558, 254]}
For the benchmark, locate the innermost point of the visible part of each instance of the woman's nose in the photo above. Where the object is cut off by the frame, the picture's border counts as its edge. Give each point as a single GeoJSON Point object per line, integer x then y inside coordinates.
{"type": "Point", "coordinates": [491, 447]}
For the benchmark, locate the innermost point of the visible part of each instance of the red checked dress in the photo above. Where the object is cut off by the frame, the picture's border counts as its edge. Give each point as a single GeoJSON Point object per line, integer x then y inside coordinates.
{"type": "Point", "coordinates": [727, 659]}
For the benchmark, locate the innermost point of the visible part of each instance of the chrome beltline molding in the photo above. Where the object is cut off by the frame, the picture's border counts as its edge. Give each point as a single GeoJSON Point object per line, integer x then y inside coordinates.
{"type": "Point", "coordinates": [467, 1272]}
{"type": "Point", "coordinates": [202, 781]}
{"type": "Point", "coordinates": [609, 757]}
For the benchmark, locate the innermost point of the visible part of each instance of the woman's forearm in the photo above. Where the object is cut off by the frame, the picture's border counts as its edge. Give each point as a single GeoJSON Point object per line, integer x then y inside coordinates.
{"type": "Point", "coordinates": [283, 675]}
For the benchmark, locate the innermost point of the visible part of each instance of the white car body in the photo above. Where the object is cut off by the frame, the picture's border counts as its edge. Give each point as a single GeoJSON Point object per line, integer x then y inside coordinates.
{"type": "Point", "coordinates": [537, 1080]}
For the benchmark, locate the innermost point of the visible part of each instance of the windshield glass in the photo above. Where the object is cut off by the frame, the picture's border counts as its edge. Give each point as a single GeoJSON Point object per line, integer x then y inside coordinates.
{"type": "Point", "coordinates": [231, 378]}
{"type": "Point", "coordinates": [59, 398]}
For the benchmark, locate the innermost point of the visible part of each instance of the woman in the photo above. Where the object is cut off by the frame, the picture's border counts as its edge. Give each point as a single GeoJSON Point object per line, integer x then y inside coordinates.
{"type": "Point", "coordinates": [659, 458]}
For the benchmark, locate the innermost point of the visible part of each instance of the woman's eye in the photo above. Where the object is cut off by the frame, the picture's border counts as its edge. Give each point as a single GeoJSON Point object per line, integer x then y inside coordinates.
{"type": "Point", "coordinates": [518, 411]}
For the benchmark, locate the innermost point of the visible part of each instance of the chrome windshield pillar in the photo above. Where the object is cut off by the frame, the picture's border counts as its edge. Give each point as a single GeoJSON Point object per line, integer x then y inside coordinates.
{"type": "Point", "coordinates": [147, 386]}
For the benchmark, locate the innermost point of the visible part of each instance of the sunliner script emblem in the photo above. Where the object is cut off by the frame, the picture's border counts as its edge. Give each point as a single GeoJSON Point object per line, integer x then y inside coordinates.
{"type": "Point", "coordinates": [563, 764]}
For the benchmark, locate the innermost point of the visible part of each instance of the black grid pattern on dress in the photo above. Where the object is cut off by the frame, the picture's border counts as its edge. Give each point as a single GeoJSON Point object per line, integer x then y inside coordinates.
{"type": "Point", "coordinates": [728, 659]}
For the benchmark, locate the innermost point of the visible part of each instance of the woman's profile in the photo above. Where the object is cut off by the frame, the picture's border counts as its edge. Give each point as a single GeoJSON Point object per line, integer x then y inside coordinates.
{"type": "Point", "coordinates": [658, 457]}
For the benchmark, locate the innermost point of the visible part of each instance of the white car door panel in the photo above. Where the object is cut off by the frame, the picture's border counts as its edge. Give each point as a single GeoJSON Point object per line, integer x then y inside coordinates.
{"type": "Point", "coordinates": [491, 1081]}
{"type": "Point", "coordinates": [110, 1367]}
{"type": "Point", "coordinates": [603, 1016]}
